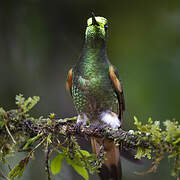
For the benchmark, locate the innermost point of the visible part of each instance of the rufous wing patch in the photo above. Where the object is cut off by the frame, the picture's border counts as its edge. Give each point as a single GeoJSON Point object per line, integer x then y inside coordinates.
{"type": "Point", "coordinates": [114, 79]}
{"type": "Point", "coordinates": [69, 80]}
{"type": "Point", "coordinates": [119, 91]}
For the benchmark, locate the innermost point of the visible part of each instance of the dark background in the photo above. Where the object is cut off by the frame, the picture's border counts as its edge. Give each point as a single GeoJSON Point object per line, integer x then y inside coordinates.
{"type": "Point", "coordinates": [41, 40]}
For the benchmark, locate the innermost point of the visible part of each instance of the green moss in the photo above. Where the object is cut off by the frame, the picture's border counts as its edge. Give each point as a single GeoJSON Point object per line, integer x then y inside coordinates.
{"type": "Point", "coordinates": [159, 142]}
{"type": "Point", "coordinates": [17, 126]}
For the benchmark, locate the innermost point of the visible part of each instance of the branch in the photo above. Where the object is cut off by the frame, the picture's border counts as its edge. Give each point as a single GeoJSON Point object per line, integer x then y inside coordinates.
{"type": "Point", "coordinates": [17, 125]}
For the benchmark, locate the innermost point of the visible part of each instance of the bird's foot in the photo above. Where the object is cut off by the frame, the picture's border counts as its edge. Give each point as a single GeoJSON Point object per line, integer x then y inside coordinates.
{"type": "Point", "coordinates": [98, 127]}
{"type": "Point", "coordinates": [103, 127]}
{"type": "Point", "coordinates": [78, 127]}
{"type": "Point", "coordinates": [81, 122]}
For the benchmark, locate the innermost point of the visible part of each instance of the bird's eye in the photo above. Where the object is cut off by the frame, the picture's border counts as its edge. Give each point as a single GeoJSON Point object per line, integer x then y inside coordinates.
{"type": "Point", "coordinates": [105, 27]}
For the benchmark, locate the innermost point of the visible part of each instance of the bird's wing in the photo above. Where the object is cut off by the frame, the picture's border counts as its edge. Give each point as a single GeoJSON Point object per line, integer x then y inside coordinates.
{"type": "Point", "coordinates": [69, 81]}
{"type": "Point", "coordinates": [113, 74]}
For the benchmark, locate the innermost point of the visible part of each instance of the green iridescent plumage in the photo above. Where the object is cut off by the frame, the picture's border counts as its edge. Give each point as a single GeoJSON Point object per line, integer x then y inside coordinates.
{"type": "Point", "coordinates": [97, 93]}
{"type": "Point", "coordinates": [92, 89]}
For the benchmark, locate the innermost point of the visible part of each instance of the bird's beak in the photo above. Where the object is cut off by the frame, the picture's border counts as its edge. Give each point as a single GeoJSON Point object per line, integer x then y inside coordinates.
{"type": "Point", "coordinates": [94, 22]}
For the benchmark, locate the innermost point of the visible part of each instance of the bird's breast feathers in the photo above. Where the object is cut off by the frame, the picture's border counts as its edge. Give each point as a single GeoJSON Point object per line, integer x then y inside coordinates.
{"type": "Point", "coordinates": [91, 82]}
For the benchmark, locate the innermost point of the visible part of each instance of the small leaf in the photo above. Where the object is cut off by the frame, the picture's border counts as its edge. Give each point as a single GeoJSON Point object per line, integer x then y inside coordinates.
{"type": "Point", "coordinates": [139, 153]}
{"type": "Point", "coordinates": [52, 115]}
{"type": "Point", "coordinates": [31, 140]}
{"type": "Point", "coordinates": [56, 163]}
{"type": "Point", "coordinates": [142, 153]}
{"type": "Point", "coordinates": [81, 170]}
{"type": "Point", "coordinates": [69, 161]}
{"type": "Point", "coordinates": [32, 102]}
{"type": "Point", "coordinates": [18, 169]}
{"type": "Point", "coordinates": [177, 141]}
{"type": "Point", "coordinates": [137, 123]}
{"type": "Point", "coordinates": [85, 153]}
{"type": "Point", "coordinates": [49, 139]}
{"type": "Point", "coordinates": [2, 111]}
{"type": "Point", "coordinates": [19, 99]}
{"type": "Point", "coordinates": [2, 123]}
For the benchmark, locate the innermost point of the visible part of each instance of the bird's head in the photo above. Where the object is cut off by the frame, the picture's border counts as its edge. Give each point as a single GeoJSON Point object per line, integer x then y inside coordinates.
{"type": "Point", "coordinates": [96, 31]}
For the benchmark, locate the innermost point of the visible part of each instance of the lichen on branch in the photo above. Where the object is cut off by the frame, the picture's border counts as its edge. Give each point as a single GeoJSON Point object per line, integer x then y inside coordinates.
{"type": "Point", "coordinates": [18, 127]}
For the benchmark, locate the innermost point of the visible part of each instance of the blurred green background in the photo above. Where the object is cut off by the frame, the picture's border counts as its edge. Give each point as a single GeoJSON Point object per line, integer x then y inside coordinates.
{"type": "Point", "coordinates": [41, 40]}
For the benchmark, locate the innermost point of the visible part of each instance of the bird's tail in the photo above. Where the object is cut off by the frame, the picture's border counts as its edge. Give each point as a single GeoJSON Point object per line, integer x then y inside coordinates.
{"type": "Point", "coordinates": [111, 168]}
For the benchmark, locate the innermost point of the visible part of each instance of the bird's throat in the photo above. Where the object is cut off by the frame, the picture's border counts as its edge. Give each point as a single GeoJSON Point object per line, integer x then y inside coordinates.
{"type": "Point", "coordinates": [95, 42]}
{"type": "Point", "coordinates": [93, 55]}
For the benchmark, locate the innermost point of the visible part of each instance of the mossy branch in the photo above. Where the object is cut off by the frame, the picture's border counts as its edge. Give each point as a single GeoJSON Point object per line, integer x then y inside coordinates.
{"type": "Point", "coordinates": [18, 127]}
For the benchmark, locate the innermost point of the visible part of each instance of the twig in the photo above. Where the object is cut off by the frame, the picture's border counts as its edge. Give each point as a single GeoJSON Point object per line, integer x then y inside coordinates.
{"type": "Point", "coordinates": [47, 155]}
{"type": "Point", "coordinates": [7, 129]}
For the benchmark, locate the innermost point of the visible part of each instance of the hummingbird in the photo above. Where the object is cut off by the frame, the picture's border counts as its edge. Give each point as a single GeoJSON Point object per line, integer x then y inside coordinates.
{"type": "Point", "coordinates": [97, 93]}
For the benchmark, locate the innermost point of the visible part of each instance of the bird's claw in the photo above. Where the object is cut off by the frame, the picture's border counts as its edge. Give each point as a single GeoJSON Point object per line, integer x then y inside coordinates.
{"type": "Point", "coordinates": [98, 128]}
{"type": "Point", "coordinates": [78, 127]}
{"type": "Point", "coordinates": [102, 127]}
